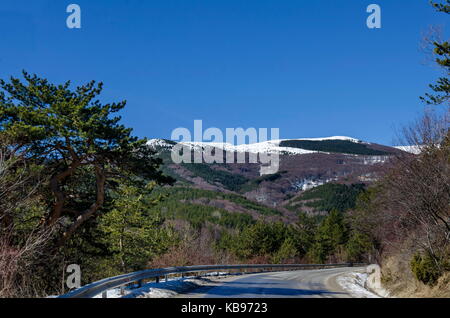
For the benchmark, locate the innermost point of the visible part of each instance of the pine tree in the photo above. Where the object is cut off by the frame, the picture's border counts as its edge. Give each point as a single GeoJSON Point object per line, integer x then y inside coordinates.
{"type": "Point", "coordinates": [132, 232]}
{"type": "Point", "coordinates": [84, 149]}
{"type": "Point", "coordinates": [331, 234]}
{"type": "Point", "coordinates": [442, 52]}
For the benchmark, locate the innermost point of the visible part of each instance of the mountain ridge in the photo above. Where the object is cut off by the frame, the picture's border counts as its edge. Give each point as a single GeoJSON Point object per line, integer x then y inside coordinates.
{"type": "Point", "coordinates": [336, 160]}
{"type": "Point", "coordinates": [279, 146]}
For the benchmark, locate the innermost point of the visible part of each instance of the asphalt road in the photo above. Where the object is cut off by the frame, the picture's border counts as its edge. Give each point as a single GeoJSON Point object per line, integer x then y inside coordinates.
{"type": "Point", "coordinates": [303, 283]}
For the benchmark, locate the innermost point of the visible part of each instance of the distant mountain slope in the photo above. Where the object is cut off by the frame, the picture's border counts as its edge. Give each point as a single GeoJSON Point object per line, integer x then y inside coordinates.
{"type": "Point", "coordinates": [305, 164]}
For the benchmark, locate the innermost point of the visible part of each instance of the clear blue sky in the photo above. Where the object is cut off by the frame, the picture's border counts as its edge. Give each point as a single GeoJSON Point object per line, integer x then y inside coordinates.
{"type": "Point", "coordinates": [311, 68]}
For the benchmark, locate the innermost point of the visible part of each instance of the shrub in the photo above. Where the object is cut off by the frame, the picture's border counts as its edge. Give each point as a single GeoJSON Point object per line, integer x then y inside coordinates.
{"type": "Point", "coordinates": [425, 269]}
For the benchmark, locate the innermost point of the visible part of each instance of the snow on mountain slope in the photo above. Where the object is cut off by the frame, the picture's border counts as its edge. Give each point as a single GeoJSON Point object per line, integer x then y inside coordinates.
{"type": "Point", "coordinates": [411, 149]}
{"type": "Point", "coordinates": [154, 143]}
{"type": "Point", "coordinates": [270, 147]}
{"type": "Point", "coordinates": [331, 138]}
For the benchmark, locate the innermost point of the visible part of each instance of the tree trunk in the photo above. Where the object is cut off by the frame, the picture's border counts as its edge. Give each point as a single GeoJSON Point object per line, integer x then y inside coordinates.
{"type": "Point", "coordinates": [84, 216]}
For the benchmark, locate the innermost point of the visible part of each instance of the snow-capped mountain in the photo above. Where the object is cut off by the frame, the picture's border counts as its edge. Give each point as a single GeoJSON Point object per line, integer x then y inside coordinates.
{"type": "Point", "coordinates": [271, 146]}
{"type": "Point", "coordinates": [304, 163]}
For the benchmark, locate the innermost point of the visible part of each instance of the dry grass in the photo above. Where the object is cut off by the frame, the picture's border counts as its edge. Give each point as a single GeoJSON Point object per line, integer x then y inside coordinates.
{"type": "Point", "coordinates": [398, 279]}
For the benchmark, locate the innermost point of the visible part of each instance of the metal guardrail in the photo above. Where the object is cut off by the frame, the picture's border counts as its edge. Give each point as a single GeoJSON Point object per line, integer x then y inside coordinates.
{"type": "Point", "coordinates": [100, 287]}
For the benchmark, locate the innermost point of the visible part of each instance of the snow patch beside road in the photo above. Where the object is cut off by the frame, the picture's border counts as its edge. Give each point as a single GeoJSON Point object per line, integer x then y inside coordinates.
{"type": "Point", "coordinates": [355, 284]}
{"type": "Point", "coordinates": [165, 289]}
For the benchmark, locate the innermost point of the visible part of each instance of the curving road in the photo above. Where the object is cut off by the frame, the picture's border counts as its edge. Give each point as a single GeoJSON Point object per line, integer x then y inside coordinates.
{"type": "Point", "coordinates": [302, 283]}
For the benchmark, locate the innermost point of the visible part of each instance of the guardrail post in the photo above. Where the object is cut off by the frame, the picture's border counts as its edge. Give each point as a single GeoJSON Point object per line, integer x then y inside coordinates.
{"type": "Point", "coordinates": [167, 278]}
{"type": "Point", "coordinates": [140, 283]}
{"type": "Point", "coordinates": [157, 279]}
{"type": "Point", "coordinates": [105, 294]}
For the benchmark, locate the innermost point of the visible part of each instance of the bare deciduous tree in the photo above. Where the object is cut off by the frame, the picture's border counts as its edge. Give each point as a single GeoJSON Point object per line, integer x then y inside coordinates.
{"type": "Point", "coordinates": [416, 194]}
{"type": "Point", "coordinates": [16, 263]}
{"type": "Point", "coordinates": [18, 189]}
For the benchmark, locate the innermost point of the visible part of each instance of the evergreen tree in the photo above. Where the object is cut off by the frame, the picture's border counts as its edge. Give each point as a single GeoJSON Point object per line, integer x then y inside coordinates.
{"type": "Point", "coordinates": [287, 251]}
{"type": "Point", "coordinates": [84, 149]}
{"type": "Point", "coordinates": [303, 234]}
{"type": "Point", "coordinates": [331, 235]}
{"type": "Point", "coordinates": [358, 245]}
{"type": "Point", "coordinates": [442, 52]}
{"type": "Point", "coordinates": [132, 232]}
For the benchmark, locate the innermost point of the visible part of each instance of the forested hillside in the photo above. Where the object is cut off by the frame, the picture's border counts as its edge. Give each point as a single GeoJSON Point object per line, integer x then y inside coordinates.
{"type": "Point", "coordinates": [327, 197]}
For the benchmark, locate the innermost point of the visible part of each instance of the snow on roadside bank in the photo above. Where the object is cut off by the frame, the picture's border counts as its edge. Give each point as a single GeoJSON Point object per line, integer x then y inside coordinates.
{"type": "Point", "coordinates": [354, 283]}
{"type": "Point", "coordinates": [154, 290]}
{"type": "Point", "coordinates": [165, 289]}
